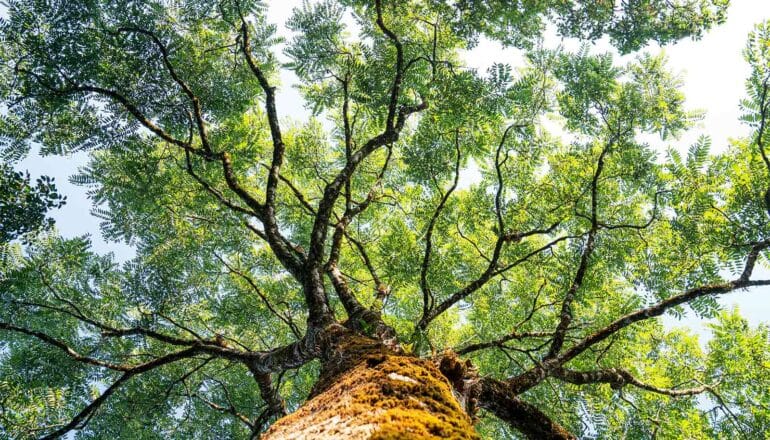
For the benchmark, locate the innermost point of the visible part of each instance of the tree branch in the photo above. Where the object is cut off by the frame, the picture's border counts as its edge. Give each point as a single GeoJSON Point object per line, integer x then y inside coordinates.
{"type": "Point", "coordinates": [284, 318]}
{"type": "Point", "coordinates": [500, 341]}
{"type": "Point", "coordinates": [279, 245]}
{"type": "Point", "coordinates": [86, 413]}
{"type": "Point", "coordinates": [429, 314]}
{"type": "Point", "coordinates": [534, 376]}
{"type": "Point", "coordinates": [198, 112]}
{"type": "Point", "coordinates": [496, 397]}
{"type": "Point", "coordinates": [313, 286]}
{"type": "Point", "coordinates": [396, 87]}
{"type": "Point", "coordinates": [483, 279]}
{"type": "Point", "coordinates": [62, 346]}
{"type": "Point", "coordinates": [427, 296]}
{"type": "Point", "coordinates": [566, 308]}
{"type": "Point", "coordinates": [617, 378]}
{"type": "Point", "coordinates": [276, 406]}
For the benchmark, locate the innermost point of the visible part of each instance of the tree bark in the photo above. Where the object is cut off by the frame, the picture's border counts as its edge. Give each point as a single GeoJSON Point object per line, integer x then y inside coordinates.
{"type": "Point", "coordinates": [368, 391]}
{"type": "Point", "coordinates": [496, 397]}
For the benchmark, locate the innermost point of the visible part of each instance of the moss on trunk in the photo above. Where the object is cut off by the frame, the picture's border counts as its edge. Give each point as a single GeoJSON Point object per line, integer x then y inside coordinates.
{"type": "Point", "coordinates": [381, 396]}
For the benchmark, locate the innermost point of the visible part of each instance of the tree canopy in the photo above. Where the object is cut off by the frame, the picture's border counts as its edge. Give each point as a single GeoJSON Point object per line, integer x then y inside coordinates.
{"type": "Point", "coordinates": [255, 230]}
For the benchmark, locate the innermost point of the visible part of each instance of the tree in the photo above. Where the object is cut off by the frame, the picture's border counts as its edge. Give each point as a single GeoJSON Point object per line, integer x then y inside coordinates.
{"type": "Point", "coordinates": [337, 269]}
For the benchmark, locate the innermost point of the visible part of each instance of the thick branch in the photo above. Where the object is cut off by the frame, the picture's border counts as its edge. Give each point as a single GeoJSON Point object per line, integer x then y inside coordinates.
{"type": "Point", "coordinates": [496, 397]}
{"type": "Point", "coordinates": [618, 378]}
{"type": "Point", "coordinates": [279, 245]}
{"type": "Point", "coordinates": [275, 403]}
{"type": "Point", "coordinates": [352, 306]}
{"type": "Point", "coordinates": [396, 87]}
{"type": "Point", "coordinates": [272, 118]}
{"type": "Point", "coordinates": [349, 301]}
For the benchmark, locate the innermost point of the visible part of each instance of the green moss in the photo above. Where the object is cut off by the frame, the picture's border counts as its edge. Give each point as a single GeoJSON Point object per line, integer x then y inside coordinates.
{"type": "Point", "coordinates": [385, 396]}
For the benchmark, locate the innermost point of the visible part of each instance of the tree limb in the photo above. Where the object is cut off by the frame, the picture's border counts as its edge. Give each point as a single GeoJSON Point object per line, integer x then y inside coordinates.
{"type": "Point", "coordinates": [496, 397]}
{"type": "Point", "coordinates": [617, 378]}
{"type": "Point", "coordinates": [566, 308]}
{"type": "Point", "coordinates": [534, 376]}
{"type": "Point", "coordinates": [83, 415]}
{"type": "Point", "coordinates": [427, 296]}
{"type": "Point", "coordinates": [500, 341]}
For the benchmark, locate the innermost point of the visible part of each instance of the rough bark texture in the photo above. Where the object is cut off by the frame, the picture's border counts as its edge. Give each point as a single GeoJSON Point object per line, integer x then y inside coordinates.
{"type": "Point", "coordinates": [496, 397]}
{"type": "Point", "coordinates": [367, 391]}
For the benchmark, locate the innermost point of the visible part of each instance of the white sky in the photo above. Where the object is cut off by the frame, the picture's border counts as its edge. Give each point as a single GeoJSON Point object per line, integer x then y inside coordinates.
{"type": "Point", "coordinates": [713, 71]}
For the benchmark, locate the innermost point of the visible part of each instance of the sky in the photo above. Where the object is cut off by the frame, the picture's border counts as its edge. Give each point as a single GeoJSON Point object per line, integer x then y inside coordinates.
{"type": "Point", "coordinates": [713, 71]}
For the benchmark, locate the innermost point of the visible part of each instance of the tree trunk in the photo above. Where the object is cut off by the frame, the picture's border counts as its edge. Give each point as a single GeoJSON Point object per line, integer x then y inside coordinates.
{"type": "Point", "coordinates": [368, 391]}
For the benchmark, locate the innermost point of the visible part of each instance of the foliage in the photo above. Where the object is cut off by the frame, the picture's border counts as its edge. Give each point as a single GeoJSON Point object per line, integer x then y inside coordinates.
{"type": "Point", "coordinates": [22, 206]}
{"type": "Point", "coordinates": [255, 231]}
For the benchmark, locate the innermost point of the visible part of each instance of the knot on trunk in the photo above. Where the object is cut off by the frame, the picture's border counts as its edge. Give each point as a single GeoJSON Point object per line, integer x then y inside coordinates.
{"type": "Point", "coordinates": [464, 378]}
{"type": "Point", "coordinates": [369, 323]}
{"type": "Point", "coordinates": [341, 349]}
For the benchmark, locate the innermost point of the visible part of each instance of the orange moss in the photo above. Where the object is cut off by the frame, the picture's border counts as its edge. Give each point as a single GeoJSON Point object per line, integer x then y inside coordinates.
{"type": "Point", "coordinates": [383, 397]}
